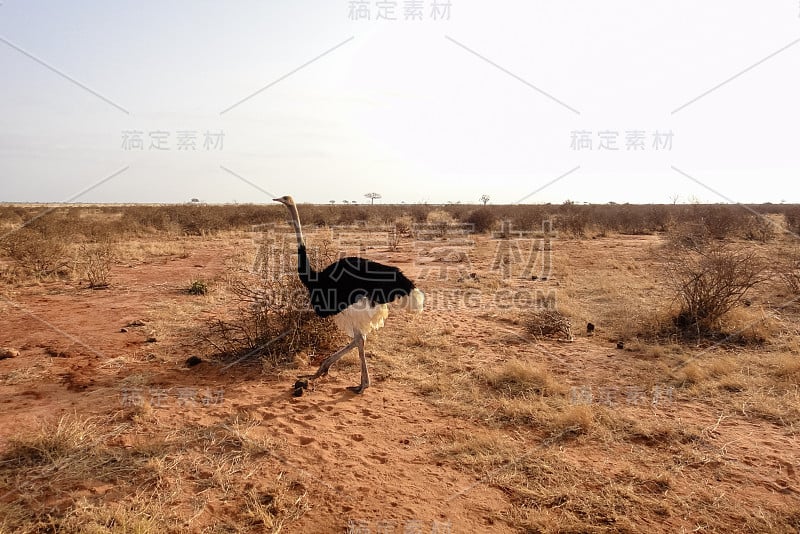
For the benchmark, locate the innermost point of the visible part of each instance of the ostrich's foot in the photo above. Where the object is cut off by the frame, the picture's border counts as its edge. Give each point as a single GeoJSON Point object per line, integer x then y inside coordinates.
{"type": "Point", "coordinates": [358, 389]}
{"type": "Point", "coordinates": [330, 360]}
{"type": "Point", "coordinates": [318, 374]}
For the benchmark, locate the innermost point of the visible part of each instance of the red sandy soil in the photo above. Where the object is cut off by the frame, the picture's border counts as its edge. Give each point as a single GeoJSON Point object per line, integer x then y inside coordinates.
{"type": "Point", "coordinates": [363, 460]}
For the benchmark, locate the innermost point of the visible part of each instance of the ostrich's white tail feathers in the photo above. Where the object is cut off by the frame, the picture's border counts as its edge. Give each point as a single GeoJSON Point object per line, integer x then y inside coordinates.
{"type": "Point", "coordinates": [361, 317]}
{"type": "Point", "coordinates": [413, 302]}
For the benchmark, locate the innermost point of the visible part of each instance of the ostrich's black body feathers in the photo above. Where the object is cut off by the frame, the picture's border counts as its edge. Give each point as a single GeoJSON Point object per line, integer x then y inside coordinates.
{"type": "Point", "coordinates": [343, 282]}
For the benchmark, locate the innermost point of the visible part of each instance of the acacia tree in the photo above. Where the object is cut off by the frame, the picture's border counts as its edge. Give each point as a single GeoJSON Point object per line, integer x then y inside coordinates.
{"type": "Point", "coordinates": [372, 197]}
{"type": "Point", "coordinates": [484, 199]}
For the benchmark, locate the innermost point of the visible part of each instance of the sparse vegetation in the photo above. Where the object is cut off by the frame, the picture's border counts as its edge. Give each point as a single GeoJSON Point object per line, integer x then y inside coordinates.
{"type": "Point", "coordinates": [275, 317]}
{"type": "Point", "coordinates": [47, 474]}
{"type": "Point", "coordinates": [440, 221]}
{"type": "Point", "coordinates": [518, 379]}
{"type": "Point", "coordinates": [709, 282]}
{"type": "Point", "coordinates": [549, 323]}
{"type": "Point", "coordinates": [790, 274]}
{"type": "Point", "coordinates": [393, 239]}
{"type": "Point", "coordinates": [482, 219]}
{"type": "Point", "coordinates": [97, 260]}
{"type": "Point", "coordinates": [508, 428]}
{"type": "Point", "coordinates": [197, 287]}
{"type": "Point", "coordinates": [37, 253]}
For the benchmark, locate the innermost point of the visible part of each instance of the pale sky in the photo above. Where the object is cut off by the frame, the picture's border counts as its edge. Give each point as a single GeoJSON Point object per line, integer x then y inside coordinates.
{"type": "Point", "coordinates": [497, 99]}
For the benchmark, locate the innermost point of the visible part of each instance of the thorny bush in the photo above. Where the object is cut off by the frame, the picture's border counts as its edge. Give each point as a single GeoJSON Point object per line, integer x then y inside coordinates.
{"type": "Point", "coordinates": [708, 282]}
{"type": "Point", "coordinates": [275, 318]}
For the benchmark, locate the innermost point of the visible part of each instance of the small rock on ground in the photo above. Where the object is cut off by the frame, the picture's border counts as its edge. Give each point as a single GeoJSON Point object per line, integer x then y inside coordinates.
{"type": "Point", "coordinates": [8, 353]}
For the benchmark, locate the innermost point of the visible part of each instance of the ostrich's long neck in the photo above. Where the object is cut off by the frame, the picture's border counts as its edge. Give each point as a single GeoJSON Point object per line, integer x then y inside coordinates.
{"type": "Point", "coordinates": [303, 266]}
{"type": "Point", "coordinates": [296, 223]}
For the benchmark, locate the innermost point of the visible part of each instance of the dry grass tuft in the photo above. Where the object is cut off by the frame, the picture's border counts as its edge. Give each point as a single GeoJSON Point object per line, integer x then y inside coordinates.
{"type": "Point", "coordinates": [49, 445]}
{"type": "Point", "coordinates": [552, 493]}
{"type": "Point", "coordinates": [571, 422]}
{"type": "Point", "coordinates": [750, 325]}
{"type": "Point", "coordinates": [690, 374]}
{"type": "Point", "coordinates": [549, 323]}
{"type": "Point", "coordinates": [51, 467]}
{"type": "Point", "coordinates": [656, 433]}
{"type": "Point", "coordinates": [787, 367]}
{"type": "Point", "coordinates": [515, 379]}
{"type": "Point", "coordinates": [276, 507]}
{"type": "Point", "coordinates": [71, 477]}
{"type": "Point", "coordinates": [483, 450]}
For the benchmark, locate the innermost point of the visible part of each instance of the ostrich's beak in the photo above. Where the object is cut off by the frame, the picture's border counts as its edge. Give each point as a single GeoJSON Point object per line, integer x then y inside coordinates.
{"type": "Point", "coordinates": [278, 200]}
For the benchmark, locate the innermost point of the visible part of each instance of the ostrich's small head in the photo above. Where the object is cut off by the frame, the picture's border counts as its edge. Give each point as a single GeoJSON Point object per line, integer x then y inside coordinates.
{"type": "Point", "coordinates": [286, 200]}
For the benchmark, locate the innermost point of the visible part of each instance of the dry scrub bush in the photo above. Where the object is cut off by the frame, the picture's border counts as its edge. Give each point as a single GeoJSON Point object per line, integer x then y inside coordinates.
{"type": "Point", "coordinates": [393, 239]}
{"type": "Point", "coordinates": [702, 223]}
{"type": "Point", "coordinates": [790, 275]}
{"type": "Point", "coordinates": [549, 323]}
{"type": "Point", "coordinates": [572, 220]}
{"type": "Point", "coordinates": [96, 259]}
{"type": "Point", "coordinates": [440, 221]}
{"type": "Point", "coordinates": [275, 317]}
{"type": "Point", "coordinates": [708, 283]}
{"type": "Point", "coordinates": [482, 220]}
{"type": "Point", "coordinates": [103, 222]}
{"type": "Point", "coordinates": [198, 288]}
{"type": "Point", "coordinates": [720, 221]}
{"type": "Point", "coordinates": [760, 228]}
{"type": "Point", "coordinates": [195, 219]}
{"type": "Point", "coordinates": [404, 225]}
{"type": "Point", "coordinates": [688, 235]}
{"type": "Point", "coordinates": [37, 254]}
{"type": "Point", "coordinates": [792, 218]}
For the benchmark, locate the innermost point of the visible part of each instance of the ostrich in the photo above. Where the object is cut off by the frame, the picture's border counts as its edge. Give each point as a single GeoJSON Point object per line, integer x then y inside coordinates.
{"type": "Point", "coordinates": [355, 291]}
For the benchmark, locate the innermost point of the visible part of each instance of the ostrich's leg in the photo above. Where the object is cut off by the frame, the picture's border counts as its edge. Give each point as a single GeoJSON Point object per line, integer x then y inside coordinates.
{"type": "Point", "coordinates": [359, 339]}
{"type": "Point", "coordinates": [330, 360]}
